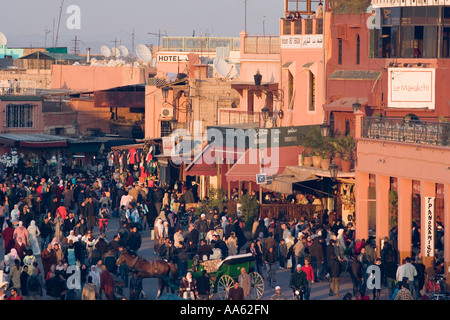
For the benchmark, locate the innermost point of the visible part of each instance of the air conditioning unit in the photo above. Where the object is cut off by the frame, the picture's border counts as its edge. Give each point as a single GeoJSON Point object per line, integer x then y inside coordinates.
{"type": "Point", "coordinates": [167, 112]}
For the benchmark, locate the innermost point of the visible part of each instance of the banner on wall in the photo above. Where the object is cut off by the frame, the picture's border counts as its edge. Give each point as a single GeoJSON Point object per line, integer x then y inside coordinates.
{"type": "Point", "coordinates": [429, 223]}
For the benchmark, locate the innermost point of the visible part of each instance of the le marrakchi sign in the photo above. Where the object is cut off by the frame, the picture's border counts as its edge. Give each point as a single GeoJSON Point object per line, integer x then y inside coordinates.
{"type": "Point", "coordinates": [411, 88]}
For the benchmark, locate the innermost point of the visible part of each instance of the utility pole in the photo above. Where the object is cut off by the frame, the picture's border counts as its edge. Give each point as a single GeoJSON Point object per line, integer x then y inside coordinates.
{"type": "Point", "coordinates": [59, 22]}
{"type": "Point", "coordinates": [75, 47]}
{"type": "Point", "coordinates": [245, 16]}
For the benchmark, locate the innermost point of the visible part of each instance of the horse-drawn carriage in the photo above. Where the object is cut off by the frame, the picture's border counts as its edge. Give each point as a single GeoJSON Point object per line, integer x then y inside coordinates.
{"type": "Point", "coordinates": [223, 273]}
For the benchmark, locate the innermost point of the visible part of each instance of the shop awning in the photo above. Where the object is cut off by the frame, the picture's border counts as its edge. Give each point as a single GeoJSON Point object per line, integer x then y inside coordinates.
{"type": "Point", "coordinates": [344, 104]}
{"type": "Point", "coordinates": [275, 160]}
{"type": "Point", "coordinates": [32, 140]}
{"type": "Point", "coordinates": [283, 182]}
{"type": "Point", "coordinates": [359, 75]}
{"type": "Point", "coordinates": [204, 164]}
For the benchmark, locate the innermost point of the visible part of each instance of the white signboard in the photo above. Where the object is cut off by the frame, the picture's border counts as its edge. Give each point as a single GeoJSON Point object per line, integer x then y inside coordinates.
{"type": "Point", "coordinates": [411, 88]}
{"type": "Point", "coordinates": [169, 57]}
{"type": "Point", "coordinates": [429, 226]}
{"type": "Point", "coordinates": [309, 41]}
{"type": "Point", "coordinates": [312, 41]}
{"type": "Point", "coordinates": [168, 146]}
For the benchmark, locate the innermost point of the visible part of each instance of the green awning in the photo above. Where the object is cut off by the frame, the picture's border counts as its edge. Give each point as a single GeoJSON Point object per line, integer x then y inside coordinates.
{"type": "Point", "coordinates": [85, 147]}
{"type": "Point", "coordinates": [354, 75]}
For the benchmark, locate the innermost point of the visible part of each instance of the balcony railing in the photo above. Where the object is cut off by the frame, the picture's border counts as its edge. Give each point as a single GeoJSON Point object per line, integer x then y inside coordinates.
{"type": "Point", "coordinates": [402, 130]}
{"type": "Point", "coordinates": [262, 44]}
{"type": "Point", "coordinates": [302, 26]}
{"type": "Point", "coordinates": [17, 88]}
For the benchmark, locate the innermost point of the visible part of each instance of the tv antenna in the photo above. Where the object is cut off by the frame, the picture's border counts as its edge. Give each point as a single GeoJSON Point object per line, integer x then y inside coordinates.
{"type": "Point", "coordinates": [159, 36]}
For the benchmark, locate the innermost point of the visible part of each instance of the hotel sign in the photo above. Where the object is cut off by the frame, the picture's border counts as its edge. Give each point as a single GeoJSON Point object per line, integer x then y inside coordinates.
{"type": "Point", "coordinates": [411, 88]}
{"type": "Point", "coordinates": [169, 57]}
{"type": "Point", "coordinates": [429, 226]}
{"type": "Point", "coordinates": [308, 41]}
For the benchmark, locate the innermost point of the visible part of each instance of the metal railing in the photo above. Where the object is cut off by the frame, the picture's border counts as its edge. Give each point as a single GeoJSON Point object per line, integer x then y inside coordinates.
{"type": "Point", "coordinates": [411, 131]}
{"type": "Point", "coordinates": [235, 117]}
{"type": "Point", "coordinates": [262, 44]}
{"type": "Point", "coordinates": [197, 44]}
{"type": "Point", "coordinates": [17, 88]}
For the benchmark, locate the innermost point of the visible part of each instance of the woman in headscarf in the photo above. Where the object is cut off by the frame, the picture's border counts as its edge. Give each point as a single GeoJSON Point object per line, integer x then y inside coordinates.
{"type": "Point", "coordinates": [21, 232]}
{"type": "Point", "coordinates": [58, 223]}
{"type": "Point", "coordinates": [34, 233]}
{"type": "Point", "coordinates": [159, 234]}
{"type": "Point", "coordinates": [95, 274]}
{"type": "Point", "coordinates": [13, 255]}
{"type": "Point", "coordinates": [15, 215]}
{"type": "Point", "coordinates": [28, 260]}
{"type": "Point", "coordinates": [89, 290]}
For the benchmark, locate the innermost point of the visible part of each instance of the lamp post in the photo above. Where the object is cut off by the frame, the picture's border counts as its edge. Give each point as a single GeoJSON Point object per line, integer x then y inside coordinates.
{"type": "Point", "coordinates": [333, 171]}
{"type": "Point", "coordinates": [325, 129]}
{"type": "Point", "coordinates": [265, 114]}
{"type": "Point", "coordinates": [356, 106]}
{"type": "Point", "coordinates": [165, 92]}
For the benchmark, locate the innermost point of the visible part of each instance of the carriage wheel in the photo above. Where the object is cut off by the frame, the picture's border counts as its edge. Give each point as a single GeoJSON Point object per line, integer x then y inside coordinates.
{"type": "Point", "coordinates": [223, 287]}
{"type": "Point", "coordinates": [257, 282]}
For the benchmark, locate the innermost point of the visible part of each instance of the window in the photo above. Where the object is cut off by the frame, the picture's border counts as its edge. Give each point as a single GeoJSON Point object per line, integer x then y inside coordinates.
{"type": "Point", "coordinates": [340, 51]}
{"type": "Point", "coordinates": [290, 90]}
{"type": "Point", "coordinates": [20, 115]}
{"type": "Point", "coordinates": [358, 49]}
{"type": "Point", "coordinates": [165, 128]}
{"type": "Point", "coordinates": [312, 92]}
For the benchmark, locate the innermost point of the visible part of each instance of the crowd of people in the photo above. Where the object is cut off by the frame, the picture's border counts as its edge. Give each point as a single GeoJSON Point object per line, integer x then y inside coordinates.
{"type": "Point", "coordinates": [56, 219]}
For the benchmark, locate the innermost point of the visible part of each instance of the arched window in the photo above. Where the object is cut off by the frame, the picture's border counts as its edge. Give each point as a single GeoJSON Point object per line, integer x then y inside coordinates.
{"type": "Point", "coordinates": [358, 49]}
{"type": "Point", "coordinates": [340, 51]}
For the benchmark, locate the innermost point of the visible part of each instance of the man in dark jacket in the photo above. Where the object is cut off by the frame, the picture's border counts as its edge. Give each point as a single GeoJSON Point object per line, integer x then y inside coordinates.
{"type": "Point", "coordinates": [90, 213]}
{"type": "Point", "coordinates": [134, 240]}
{"type": "Point", "coordinates": [357, 275]}
{"type": "Point", "coordinates": [334, 268]}
{"type": "Point", "coordinates": [236, 293]}
{"type": "Point", "coordinates": [69, 224]}
{"type": "Point", "coordinates": [317, 258]}
{"type": "Point", "coordinates": [135, 286]}
{"type": "Point", "coordinates": [298, 281]}
{"type": "Point", "coordinates": [203, 286]}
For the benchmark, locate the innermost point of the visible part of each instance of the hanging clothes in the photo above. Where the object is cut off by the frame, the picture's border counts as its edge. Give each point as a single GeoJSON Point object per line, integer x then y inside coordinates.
{"type": "Point", "coordinates": [133, 156]}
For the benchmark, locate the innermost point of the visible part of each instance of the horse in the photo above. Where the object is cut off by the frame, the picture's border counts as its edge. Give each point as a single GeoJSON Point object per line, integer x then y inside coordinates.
{"type": "Point", "coordinates": [150, 269]}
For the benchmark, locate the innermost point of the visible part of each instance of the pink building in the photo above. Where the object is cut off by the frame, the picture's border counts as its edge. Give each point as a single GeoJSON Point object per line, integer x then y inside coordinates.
{"type": "Point", "coordinates": [92, 78]}
{"type": "Point", "coordinates": [21, 114]}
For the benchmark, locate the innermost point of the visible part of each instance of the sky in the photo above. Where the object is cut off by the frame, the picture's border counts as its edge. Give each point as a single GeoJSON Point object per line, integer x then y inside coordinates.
{"type": "Point", "coordinates": [101, 22]}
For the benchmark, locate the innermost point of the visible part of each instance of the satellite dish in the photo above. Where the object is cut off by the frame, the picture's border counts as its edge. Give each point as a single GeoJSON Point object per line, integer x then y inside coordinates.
{"type": "Point", "coordinates": [115, 52]}
{"type": "Point", "coordinates": [106, 52]}
{"type": "Point", "coordinates": [144, 53]}
{"type": "Point", "coordinates": [3, 40]}
{"type": "Point", "coordinates": [224, 69]}
{"type": "Point", "coordinates": [124, 51]}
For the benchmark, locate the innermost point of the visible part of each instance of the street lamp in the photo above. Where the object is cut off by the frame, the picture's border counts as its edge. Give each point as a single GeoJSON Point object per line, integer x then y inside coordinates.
{"type": "Point", "coordinates": [325, 129]}
{"type": "Point", "coordinates": [356, 106]}
{"type": "Point", "coordinates": [165, 92]}
{"type": "Point", "coordinates": [333, 171]}
{"type": "Point", "coordinates": [258, 78]}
